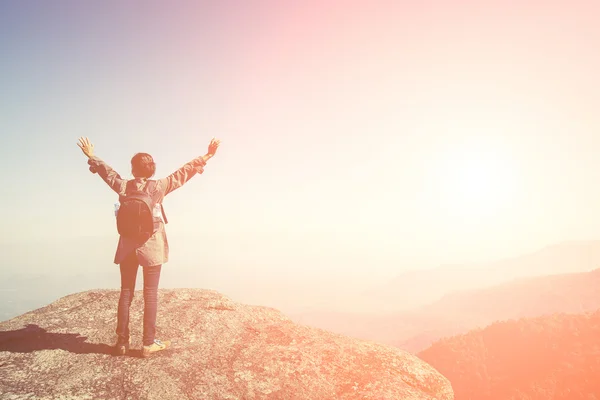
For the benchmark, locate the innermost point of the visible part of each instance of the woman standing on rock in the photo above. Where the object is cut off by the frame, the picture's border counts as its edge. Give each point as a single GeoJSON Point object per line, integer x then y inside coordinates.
{"type": "Point", "coordinates": [142, 240]}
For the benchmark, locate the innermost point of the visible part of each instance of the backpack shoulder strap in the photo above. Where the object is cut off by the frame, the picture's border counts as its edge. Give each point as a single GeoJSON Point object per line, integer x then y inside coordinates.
{"type": "Point", "coordinates": [147, 188]}
{"type": "Point", "coordinates": [162, 210]}
{"type": "Point", "coordinates": [128, 190]}
{"type": "Point", "coordinates": [151, 185]}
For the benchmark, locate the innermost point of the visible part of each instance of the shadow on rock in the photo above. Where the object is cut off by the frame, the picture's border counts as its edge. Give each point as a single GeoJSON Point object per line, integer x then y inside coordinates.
{"type": "Point", "coordinates": [33, 338]}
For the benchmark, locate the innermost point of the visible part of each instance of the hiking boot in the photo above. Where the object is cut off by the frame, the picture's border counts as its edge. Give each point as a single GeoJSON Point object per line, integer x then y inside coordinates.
{"type": "Point", "coordinates": [154, 347]}
{"type": "Point", "coordinates": [122, 348]}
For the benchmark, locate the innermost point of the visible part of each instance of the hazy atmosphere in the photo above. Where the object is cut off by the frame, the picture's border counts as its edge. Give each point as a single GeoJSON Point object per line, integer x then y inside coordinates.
{"type": "Point", "coordinates": [360, 140]}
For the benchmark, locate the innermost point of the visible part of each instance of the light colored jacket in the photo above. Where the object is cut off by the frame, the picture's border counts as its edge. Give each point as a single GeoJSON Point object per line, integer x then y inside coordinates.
{"type": "Point", "coordinates": [156, 250]}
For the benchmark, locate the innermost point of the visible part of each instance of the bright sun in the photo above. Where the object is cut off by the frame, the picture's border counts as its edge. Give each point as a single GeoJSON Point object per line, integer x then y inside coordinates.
{"type": "Point", "coordinates": [477, 182]}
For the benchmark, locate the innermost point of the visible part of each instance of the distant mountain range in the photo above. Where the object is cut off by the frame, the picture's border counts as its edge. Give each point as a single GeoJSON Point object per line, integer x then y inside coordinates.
{"type": "Point", "coordinates": [510, 289]}
{"type": "Point", "coordinates": [412, 289]}
{"type": "Point", "coordinates": [527, 297]}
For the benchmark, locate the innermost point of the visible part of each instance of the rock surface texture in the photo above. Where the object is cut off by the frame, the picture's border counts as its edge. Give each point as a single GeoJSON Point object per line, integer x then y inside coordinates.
{"type": "Point", "coordinates": [220, 350]}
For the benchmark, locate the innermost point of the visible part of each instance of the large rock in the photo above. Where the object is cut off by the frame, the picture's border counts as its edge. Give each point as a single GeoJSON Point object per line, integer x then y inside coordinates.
{"type": "Point", "coordinates": [221, 350]}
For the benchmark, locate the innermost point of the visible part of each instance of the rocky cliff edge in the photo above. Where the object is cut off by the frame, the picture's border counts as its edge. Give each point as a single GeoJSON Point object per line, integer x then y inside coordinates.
{"type": "Point", "coordinates": [220, 350]}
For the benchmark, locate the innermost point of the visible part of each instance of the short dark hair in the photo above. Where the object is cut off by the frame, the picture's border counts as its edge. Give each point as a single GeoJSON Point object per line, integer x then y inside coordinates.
{"type": "Point", "coordinates": [142, 165]}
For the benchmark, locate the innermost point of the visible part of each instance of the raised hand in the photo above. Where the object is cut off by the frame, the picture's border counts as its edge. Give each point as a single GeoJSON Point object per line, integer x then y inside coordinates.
{"type": "Point", "coordinates": [86, 146]}
{"type": "Point", "coordinates": [213, 146]}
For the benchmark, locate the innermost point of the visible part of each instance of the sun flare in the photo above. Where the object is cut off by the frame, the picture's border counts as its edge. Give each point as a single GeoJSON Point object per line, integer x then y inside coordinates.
{"type": "Point", "coordinates": [477, 182]}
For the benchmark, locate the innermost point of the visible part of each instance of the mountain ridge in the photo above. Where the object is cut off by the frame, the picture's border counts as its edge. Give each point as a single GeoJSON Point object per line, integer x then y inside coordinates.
{"type": "Point", "coordinates": [462, 311]}
{"type": "Point", "coordinates": [413, 289]}
{"type": "Point", "coordinates": [547, 357]}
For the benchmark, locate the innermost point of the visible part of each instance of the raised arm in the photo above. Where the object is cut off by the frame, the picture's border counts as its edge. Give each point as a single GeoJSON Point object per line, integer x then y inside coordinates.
{"type": "Point", "coordinates": [196, 166]}
{"type": "Point", "coordinates": [110, 176]}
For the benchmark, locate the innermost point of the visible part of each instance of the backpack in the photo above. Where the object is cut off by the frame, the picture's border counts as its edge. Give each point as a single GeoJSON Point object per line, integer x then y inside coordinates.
{"type": "Point", "coordinates": [135, 219]}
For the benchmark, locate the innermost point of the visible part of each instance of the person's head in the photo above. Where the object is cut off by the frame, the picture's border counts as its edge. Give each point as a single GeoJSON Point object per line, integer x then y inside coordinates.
{"type": "Point", "coordinates": [142, 165]}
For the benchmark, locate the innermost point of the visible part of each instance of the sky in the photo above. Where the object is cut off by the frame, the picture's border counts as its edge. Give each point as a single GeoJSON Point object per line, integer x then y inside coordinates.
{"type": "Point", "coordinates": [359, 138]}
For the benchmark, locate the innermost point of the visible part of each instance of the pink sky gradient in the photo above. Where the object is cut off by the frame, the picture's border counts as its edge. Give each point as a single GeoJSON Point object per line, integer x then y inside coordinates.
{"type": "Point", "coordinates": [345, 128]}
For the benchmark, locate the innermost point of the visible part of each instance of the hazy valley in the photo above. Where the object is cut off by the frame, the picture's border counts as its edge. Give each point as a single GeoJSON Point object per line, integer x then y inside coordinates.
{"type": "Point", "coordinates": [465, 298]}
